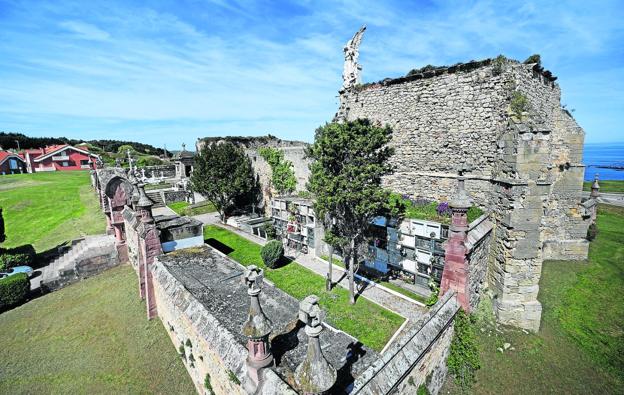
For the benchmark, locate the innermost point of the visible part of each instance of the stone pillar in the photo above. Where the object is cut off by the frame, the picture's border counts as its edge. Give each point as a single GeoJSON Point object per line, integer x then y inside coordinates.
{"type": "Point", "coordinates": [595, 188]}
{"type": "Point", "coordinates": [118, 233]}
{"type": "Point", "coordinates": [150, 247]}
{"type": "Point", "coordinates": [256, 329]}
{"type": "Point", "coordinates": [455, 274]}
{"type": "Point", "coordinates": [144, 204]}
{"type": "Point", "coordinates": [315, 375]}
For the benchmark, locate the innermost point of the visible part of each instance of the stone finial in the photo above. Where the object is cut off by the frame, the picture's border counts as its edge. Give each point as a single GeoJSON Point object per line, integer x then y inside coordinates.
{"type": "Point", "coordinates": [595, 188]}
{"type": "Point", "coordinates": [315, 375]}
{"type": "Point", "coordinates": [144, 201]}
{"type": "Point", "coordinates": [144, 205]}
{"type": "Point", "coordinates": [461, 200]}
{"type": "Point", "coordinates": [257, 324]}
{"type": "Point", "coordinates": [256, 329]}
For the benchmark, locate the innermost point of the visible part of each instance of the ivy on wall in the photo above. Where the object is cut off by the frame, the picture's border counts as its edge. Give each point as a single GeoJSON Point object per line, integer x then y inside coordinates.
{"type": "Point", "coordinates": [282, 172]}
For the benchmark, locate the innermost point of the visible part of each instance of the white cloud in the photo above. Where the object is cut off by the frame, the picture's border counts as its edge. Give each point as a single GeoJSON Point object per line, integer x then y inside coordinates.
{"type": "Point", "coordinates": [85, 30]}
{"type": "Point", "coordinates": [240, 67]}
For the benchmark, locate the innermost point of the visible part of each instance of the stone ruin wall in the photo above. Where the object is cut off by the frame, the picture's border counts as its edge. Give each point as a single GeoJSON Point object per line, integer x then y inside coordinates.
{"type": "Point", "coordinates": [295, 155]}
{"type": "Point", "coordinates": [438, 123]}
{"type": "Point", "coordinates": [527, 173]}
{"type": "Point", "coordinates": [294, 151]}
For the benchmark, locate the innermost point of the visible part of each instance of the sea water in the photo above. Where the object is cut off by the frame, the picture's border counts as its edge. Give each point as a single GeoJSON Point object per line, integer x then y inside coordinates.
{"type": "Point", "coordinates": [603, 154]}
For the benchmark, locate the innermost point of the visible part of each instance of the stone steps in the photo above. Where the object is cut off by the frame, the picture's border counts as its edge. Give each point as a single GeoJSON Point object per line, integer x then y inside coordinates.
{"type": "Point", "coordinates": [155, 197]}
{"type": "Point", "coordinates": [66, 263]}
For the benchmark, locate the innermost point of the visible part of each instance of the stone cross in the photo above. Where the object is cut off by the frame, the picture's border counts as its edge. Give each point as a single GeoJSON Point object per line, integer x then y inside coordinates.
{"type": "Point", "coordinates": [315, 375]}
{"type": "Point", "coordinates": [351, 71]}
{"type": "Point", "coordinates": [256, 329]}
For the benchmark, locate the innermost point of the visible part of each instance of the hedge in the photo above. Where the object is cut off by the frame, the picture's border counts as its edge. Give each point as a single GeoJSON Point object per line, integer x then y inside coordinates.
{"type": "Point", "coordinates": [18, 256]}
{"type": "Point", "coordinates": [13, 290]}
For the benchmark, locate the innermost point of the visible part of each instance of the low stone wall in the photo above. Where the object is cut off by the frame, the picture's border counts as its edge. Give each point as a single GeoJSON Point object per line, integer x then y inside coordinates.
{"type": "Point", "coordinates": [479, 240]}
{"type": "Point", "coordinates": [168, 171]}
{"type": "Point", "coordinates": [174, 196]}
{"type": "Point", "coordinates": [216, 352]}
{"type": "Point", "coordinates": [418, 357]}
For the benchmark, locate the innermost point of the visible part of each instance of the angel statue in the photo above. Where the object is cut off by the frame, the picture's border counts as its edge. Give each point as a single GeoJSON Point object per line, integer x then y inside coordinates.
{"type": "Point", "coordinates": [351, 72]}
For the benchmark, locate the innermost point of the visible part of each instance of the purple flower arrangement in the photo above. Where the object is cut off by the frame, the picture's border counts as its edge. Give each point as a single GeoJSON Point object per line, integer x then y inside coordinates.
{"type": "Point", "coordinates": [443, 209]}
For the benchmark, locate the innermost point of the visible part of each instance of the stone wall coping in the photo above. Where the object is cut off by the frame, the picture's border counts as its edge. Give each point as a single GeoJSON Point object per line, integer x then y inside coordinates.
{"type": "Point", "coordinates": [390, 369]}
{"type": "Point", "coordinates": [470, 66]}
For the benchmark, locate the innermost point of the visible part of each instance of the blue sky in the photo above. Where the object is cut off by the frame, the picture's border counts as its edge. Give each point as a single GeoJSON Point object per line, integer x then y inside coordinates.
{"type": "Point", "coordinates": [170, 72]}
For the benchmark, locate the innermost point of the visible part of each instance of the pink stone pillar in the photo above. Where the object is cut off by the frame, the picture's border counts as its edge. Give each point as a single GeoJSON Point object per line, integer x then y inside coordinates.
{"type": "Point", "coordinates": [456, 274]}
{"type": "Point", "coordinates": [257, 329]}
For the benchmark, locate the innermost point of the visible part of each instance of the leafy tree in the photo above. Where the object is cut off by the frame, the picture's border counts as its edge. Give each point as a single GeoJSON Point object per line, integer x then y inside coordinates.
{"type": "Point", "coordinates": [222, 174]}
{"type": "Point", "coordinates": [123, 149]}
{"type": "Point", "coordinates": [282, 173]}
{"type": "Point", "coordinates": [349, 160]}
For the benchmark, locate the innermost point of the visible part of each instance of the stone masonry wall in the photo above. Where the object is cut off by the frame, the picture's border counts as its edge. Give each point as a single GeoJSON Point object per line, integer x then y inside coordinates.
{"type": "Point", "coordinates": [526, 172]}
{"type": "Point", "coordinates": [438, 123]}
{"type": "Point", "coordinates": [296, 156]}
{"type": "Point", "coordinates": [215, 350]}
{"type": "Point", "coordinates": [418, 357]}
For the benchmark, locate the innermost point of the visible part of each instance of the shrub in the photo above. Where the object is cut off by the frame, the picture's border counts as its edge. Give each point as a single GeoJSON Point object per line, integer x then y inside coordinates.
{"type": "Point", "coordinates": [535, 58]}
{"type": "Point", "coordinates": [422, 390]}
{"type": "Point", "coordinates": [207, 383]}
{"type": "Point", "coordinates": [149, 161]}
{"type": "Point", "coordinates": [463, 360]}
{"type": "Point", "coordinates": [592, 232]}
{"type": "Point", "coordinates": [18, 256]}
{"type": "Point", "coordinates": [271, 253]}
{"type": "Point", "coordinates": [498, 65]}
{"type": "Point", "coordinates": [433, 298]}
{"type": "Point", "coordinates": [269, 229]}
{"type": "Point", "coordinates": [519, 103]}
{"type": "Point", "coordinates": [13, 290]}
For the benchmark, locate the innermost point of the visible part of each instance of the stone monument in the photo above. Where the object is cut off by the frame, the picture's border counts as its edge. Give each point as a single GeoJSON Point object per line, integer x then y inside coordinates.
{"type": "Point", "coordinates": [351, 71]}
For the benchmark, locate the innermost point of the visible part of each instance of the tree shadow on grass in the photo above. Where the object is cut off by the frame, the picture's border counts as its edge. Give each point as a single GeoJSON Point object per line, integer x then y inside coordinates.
{"type": "Point", "coordinates": [360, 286]}
{"type": "Point", "coordinates": [217, 245]}
{"type": "Point", "coordinates": [283, 261]}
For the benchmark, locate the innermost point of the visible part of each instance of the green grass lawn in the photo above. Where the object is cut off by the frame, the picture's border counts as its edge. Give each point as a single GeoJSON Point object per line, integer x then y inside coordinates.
{"type": "Point", "coordinates": [606, 186]}
{"type": "Point", "coordinates": [338, 262]}
{"type": "Point", "coordinates": [580, 346]}
{"type": "Point", "coordinates": [91, 337]}
{"type": "Point", "coordinates": [47, 209]}
{"type": "Point", "coordinates": [372, 324]}
{"type": "Point", "coordinates": [184, 208]}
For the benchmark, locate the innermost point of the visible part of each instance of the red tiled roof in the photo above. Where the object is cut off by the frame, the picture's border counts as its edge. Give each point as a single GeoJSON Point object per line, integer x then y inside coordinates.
{"type": "Point", "coordinates": [5, 154]}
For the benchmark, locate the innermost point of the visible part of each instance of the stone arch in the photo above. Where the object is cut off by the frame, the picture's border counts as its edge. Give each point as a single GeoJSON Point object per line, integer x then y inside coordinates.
{"type": "Point", "coordinates": [119, 191]}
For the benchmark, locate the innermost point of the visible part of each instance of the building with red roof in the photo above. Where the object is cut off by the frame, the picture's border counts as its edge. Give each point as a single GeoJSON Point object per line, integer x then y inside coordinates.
{"type": "Point", "coordinates": [59, 158]}
{"type": "Point", "coordinates": [11, 163]}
